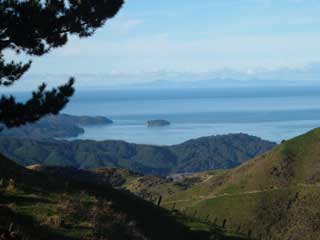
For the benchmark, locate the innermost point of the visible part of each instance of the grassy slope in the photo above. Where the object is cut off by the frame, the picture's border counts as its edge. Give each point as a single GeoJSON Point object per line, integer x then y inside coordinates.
{"type": "Point", "coordinates": [276, 194]}
{"type": "Point", "coordinates": [38, 198]}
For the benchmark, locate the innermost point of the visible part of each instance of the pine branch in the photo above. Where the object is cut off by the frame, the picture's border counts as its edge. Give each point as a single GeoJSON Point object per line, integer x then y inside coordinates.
{"type": "Point", "coordinates": [42, 102]}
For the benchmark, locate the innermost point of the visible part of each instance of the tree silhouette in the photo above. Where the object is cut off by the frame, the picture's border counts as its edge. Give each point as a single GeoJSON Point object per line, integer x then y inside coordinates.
{"type": "Point", "coordinates": [34, 27]}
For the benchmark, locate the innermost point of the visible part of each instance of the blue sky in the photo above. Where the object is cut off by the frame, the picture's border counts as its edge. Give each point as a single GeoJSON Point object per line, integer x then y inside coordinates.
{"type": "Point", "coordinates": [195, 36]}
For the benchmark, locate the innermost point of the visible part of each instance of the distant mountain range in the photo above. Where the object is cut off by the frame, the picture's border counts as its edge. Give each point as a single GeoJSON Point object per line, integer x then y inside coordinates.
{"type": "Point", "coordinates": [304, 75]}
{"type": "Point", "coordinates": [215, 152]}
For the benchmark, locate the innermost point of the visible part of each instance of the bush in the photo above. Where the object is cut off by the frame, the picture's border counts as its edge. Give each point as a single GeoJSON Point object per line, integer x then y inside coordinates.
{"type": "Point", "coordinates": [11, 186]}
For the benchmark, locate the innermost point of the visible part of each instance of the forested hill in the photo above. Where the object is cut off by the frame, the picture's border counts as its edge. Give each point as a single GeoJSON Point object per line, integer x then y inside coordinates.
{"type": "Point", "coordinates": [214, 152]}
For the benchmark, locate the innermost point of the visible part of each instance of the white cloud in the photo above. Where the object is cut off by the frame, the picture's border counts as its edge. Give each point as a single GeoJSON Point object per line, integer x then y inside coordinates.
{"type": "Point", "coordinates": [123, 26]}
{"type": "Point", "coordinates": [131, 23]}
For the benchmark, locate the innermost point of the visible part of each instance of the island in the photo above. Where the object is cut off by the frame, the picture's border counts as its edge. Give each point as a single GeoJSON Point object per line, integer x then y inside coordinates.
{"type": "Point", "coordinates": [56, 126]}
{"type": "Point", "coordinates": [157, 123]}
{"type": "Point", "coordinates": [77, 120]}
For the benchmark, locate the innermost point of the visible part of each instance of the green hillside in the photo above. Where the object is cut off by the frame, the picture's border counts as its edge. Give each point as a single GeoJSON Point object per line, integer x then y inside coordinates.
{"type": "Point", "coordinates": [40, 205]}
{"type": "Point", "coordinates": [215, 152]}
{"type": "Point", "coordinates": [273, 196]}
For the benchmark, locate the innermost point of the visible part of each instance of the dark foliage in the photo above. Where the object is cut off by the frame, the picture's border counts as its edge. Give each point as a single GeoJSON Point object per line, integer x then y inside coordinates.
{"type": "Point", "coordinates": [14, 114]}
{"type": "Point", "coordinates": [34, 28]}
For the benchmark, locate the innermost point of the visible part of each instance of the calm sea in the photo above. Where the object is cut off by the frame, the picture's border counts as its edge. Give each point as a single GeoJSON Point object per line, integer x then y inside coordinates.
{"type": "Point", "coordinates": [272, 113]}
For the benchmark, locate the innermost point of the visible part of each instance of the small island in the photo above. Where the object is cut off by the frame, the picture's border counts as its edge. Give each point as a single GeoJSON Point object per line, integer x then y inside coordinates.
{"type": "Point", "coordinates": [157, 123]}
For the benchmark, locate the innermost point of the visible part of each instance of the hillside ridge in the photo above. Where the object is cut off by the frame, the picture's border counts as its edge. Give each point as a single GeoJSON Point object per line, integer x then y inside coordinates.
{"type": "Point", "coordinates": [206, 153]}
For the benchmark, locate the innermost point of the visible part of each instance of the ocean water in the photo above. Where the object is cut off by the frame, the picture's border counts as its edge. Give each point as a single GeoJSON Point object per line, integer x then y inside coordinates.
{"type": "Point", "coordinates": [272, 113]}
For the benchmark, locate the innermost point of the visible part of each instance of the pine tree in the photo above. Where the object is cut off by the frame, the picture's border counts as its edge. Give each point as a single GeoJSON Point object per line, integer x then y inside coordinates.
{"type": "Point", "coordinates": [34, 28]}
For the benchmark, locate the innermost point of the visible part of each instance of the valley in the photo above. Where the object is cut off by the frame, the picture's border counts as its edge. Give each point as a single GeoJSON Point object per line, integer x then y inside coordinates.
{"type": "Point", "coordinates": [36, 204]}
{"type": "Point", "coordinates": [266, 197]}
{"type": "Point", "coordinates": [263, 198]}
